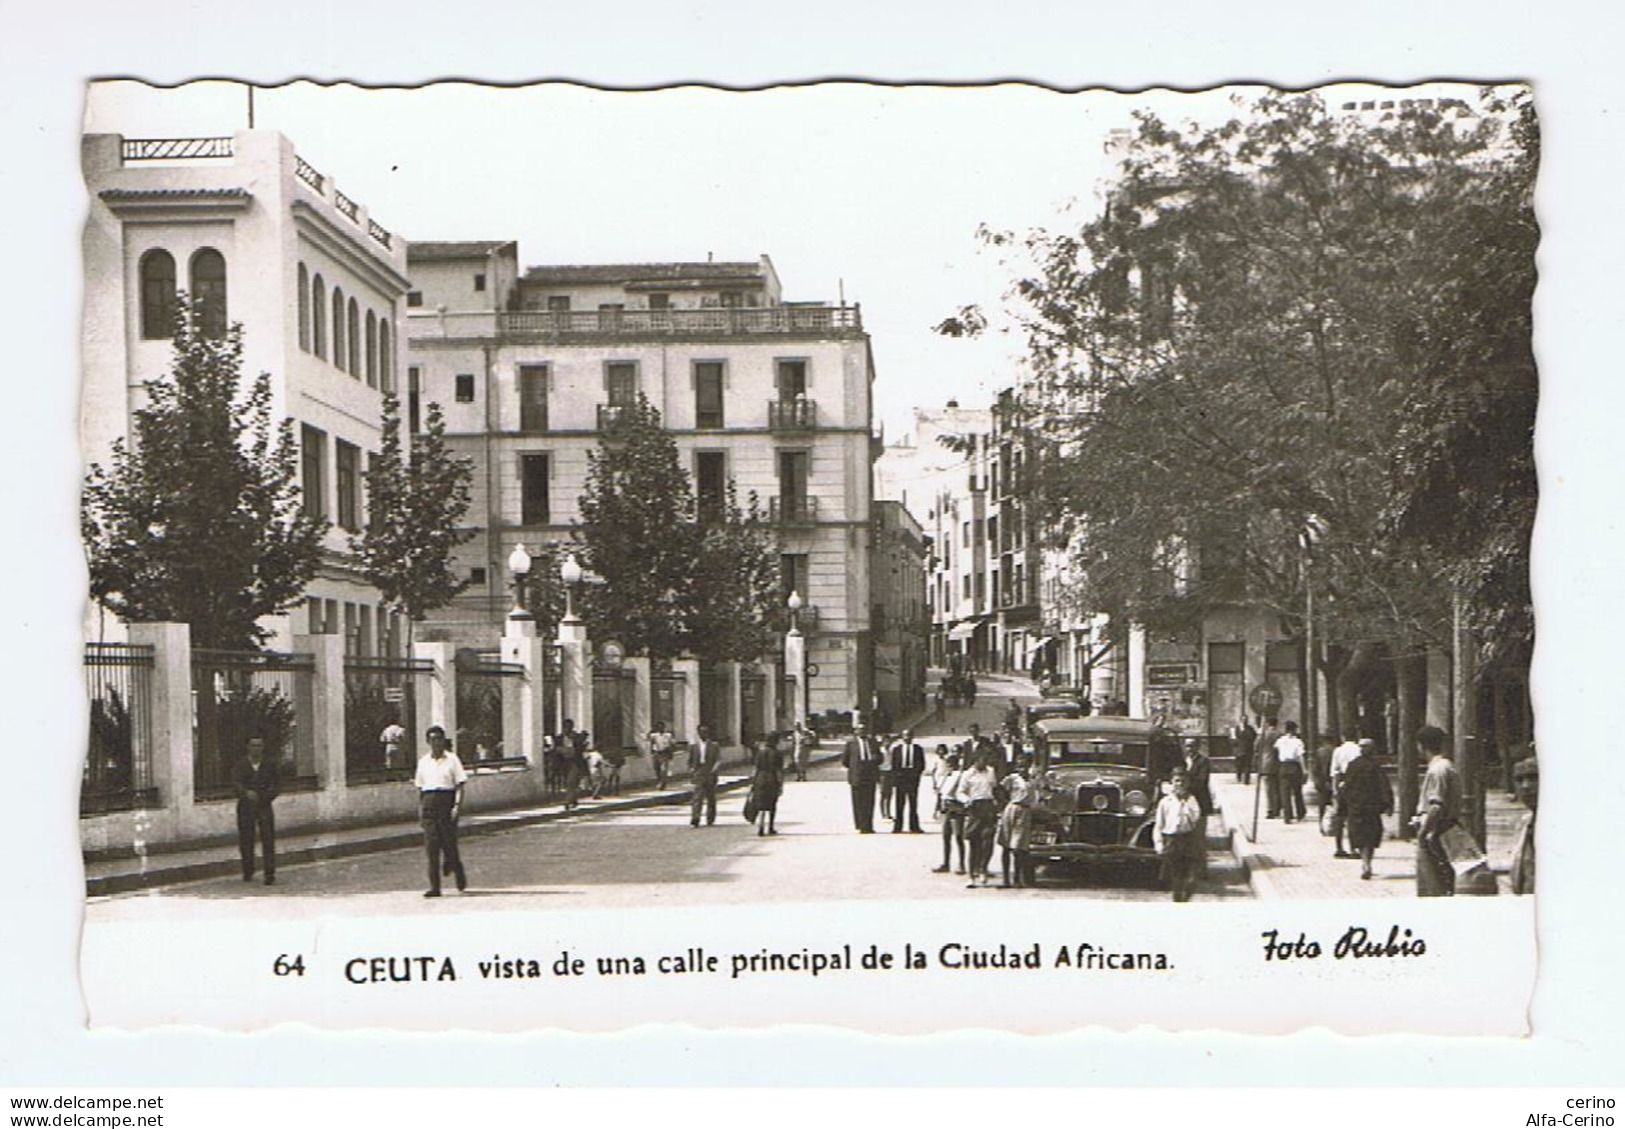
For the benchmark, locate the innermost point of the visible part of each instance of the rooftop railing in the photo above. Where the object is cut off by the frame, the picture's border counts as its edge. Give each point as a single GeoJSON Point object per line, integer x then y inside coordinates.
{"type": "Point", "coordinates": [706, 321]}
{"type": "Point", "coordinates": [303, 170]}
{"type": "Point", "coordinates": [174, 148]}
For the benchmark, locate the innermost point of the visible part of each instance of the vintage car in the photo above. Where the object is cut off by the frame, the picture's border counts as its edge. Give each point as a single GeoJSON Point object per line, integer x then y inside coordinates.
{"type": "Point", "coordinates": [1098, 780]}
{"type": "Point", "coordinates": [1052, 707]}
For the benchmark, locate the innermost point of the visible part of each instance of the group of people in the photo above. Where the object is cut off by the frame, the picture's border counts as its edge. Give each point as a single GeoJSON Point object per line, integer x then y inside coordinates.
{"type": "Point", "coordinates": [983, 800]}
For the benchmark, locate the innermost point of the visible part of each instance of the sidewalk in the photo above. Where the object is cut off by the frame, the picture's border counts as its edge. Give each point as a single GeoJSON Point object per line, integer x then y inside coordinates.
{"type": "Point", "coordinates": [214, 860]}
{"type": "Point", "coordinates": [1295, 860]}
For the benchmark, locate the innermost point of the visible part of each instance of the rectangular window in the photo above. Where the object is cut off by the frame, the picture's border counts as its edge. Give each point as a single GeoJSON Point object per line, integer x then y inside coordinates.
{"type": "Point", "coordinates": [793, 574]}
{"type": "Point", "coordinates": [532, 397]}
{"type": "Point", "coordinates": [533, 509]}
{"type": "Point", "coordinates": [414, 399]}
{"type": "Point", "coordinates": [708, 410]}
{"type": "Point", "coordinates": [1225, 658]}
{"type": "Point", "coordinates": [981, 587]}
{"type": "Point", "coordinates": [363, 643]}
{"type": "Point", "coordinates": [1283, 657]}
{"type": "Point", "coordinates": [790, 378]}
{"type": "Point", "coordinates": [313, 457]}
{"type": "Point", "coordinates": [414, 298]}
{"type": "Point", "coordinates": [479, 283]}
{"type": "Point", "coordinates": [710, 483]}
{"type": "Point", "coordinates": [330, 618]}
{"type": "Point", "coordinates": [347, 458]}
{"type": "Point", "coordinates": [352, 630]}
{"type": "Point", "coordinates": [660, 301]}
{"type": "Point", "coordinates": [621, 381]}
{"type": "Point", "coordinates": [964, 584]}
{"type": "Point", "coordinates": [476, 577]}
{"type": "Point", "coordinates": [793, 475]}
{"type": "Point", "coordinates": [465, 388]}
{"type": "Point", "coordinates": [558, 303]}
{"type": "Point", "coordinates": [964, 535]}
{"type": "Point", "coordinates": [313, 608]}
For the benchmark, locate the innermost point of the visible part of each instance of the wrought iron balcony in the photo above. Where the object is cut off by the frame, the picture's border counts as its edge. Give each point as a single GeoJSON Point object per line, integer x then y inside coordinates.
{"type": "Point", "coordinates": [790, 509]}
{"type": "Point", "coordinates": [612, 417]}
{"type": "Point", "coordinates": [706, 322]}
{"type": "Point", "coordinates": [800, 414]}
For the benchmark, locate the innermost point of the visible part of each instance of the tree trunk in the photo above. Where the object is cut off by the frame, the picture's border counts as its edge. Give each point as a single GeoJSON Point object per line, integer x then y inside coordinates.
{"type": "Point", "coordinates": [1345, 695]}
{"type": "Point", "coordinates": [1504, 745]}
{"type": "Point", "coordinates": [1334, 666]}
{"type": "Point", "coordinates": [1410, 671]}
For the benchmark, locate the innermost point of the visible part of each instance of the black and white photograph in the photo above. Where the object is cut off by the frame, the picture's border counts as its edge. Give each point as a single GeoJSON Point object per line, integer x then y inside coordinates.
{"type": "Point", "coordinates": [817, 496]}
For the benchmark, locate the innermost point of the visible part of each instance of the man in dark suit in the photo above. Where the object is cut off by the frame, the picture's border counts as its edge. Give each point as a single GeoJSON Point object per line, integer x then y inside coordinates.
{"type": "Point", "coordinates": [1199, 777]}
{"type": "Point", "coordinates": [862, 761]}
{"type": "Point", "coordinates": [908, 765]}
{"type": "Point", "coordinates": [704, 759]}
{"type": "Point", "coordinates": [258, 782]}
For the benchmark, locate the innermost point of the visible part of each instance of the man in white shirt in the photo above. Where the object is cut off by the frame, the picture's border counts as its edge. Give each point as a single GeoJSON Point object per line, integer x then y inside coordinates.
{"type": "Point", "coordinates": [1289, 757]}
{"type": "Point", "coordinates": [1342, 756]}
{"type": "Point", "coordinates": [440, 779]}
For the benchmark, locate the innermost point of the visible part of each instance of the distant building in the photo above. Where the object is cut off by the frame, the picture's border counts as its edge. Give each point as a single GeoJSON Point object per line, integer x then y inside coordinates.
{"type": "Point", "coordinates": [940, 473]}
{"type": "Point", "coordinates": [262, 238]}
{"type": "Point", "coordinates": [899, 620]}
{"type": "Point", "coordinates": [532, 367]}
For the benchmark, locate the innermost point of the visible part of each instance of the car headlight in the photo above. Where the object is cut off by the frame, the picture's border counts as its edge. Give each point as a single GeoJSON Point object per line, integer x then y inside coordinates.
{"type": "Point", "coordinates": [1135, 803]}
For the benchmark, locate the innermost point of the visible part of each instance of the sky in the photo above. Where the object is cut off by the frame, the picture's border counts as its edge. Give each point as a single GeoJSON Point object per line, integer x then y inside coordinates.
{"type": "Point", "coordinates": [875, 192]}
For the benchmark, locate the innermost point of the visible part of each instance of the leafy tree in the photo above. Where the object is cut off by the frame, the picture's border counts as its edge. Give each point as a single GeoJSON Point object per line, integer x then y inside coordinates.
{"type": "Point", "coordinates": [544, 588]}
{"type": "Point", "coordinates": [1295, 315]}
{"type": "Point", "coordinates": [735, 610]}
{"type": "Point", "coordinates": [638, 532]}
{"type": "Point", "coordinates": [416, 499]}
{"type": "Point", "coordinates": [198, 520]}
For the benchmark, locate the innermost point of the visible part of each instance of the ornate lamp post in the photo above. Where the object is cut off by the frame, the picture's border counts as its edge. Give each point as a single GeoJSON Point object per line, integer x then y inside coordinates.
{"type": "Point", "coordinates": [795, 662]}
{"type": "Point", "coordinates": [575, 650]}
{"type": "Point", "coordinates": [519, 569]}
{"type": "Point", "coordinates": [570, 572]}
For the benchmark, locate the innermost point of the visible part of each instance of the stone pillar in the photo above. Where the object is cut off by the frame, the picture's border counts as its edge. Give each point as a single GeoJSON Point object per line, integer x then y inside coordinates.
{"type": "Point", "coordinates": [733, 734]}
{"type": "Point", "coordinates": [442, 697]}
{"type": "Point", "coordinates": [642, 719]}
{"type": "Point", "coordinates": [1136, 671]}
{"type": "Point", "coordinates": [688, 710]}
{"type": "Point", "coordinates": [770, 696]}
{"type": "Point", "coordinates": [171, 646]}
{"type": "Point", "coordinates": [521, 646]}
{"type": "Point", "coordinates": [575, 673]}
{"type": "Point", "coordinates": [327, 730]}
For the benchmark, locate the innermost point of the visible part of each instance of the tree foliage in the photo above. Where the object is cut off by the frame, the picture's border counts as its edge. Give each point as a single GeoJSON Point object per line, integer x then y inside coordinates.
{"type": "Point", "coordinates": [1294, 315]}
{"type": "Point", "coordinates": [671, 584]}
{"type": "Point", "coordinates": [197, 519]}
{"type": "Point", "coordinates": [638, 533]}
{"type": "Point", "coordinates": [416, 500]}
{"type": "Point", "coordinates": [734, 613]}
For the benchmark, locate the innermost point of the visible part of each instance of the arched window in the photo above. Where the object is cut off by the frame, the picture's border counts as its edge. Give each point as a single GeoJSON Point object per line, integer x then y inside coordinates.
{"type": "Point", "coordinates": [208, 272]}
{"type": "Point", "coordinates": [372, 350]}
{"type": "Point", "coordinates": [386, 357]}
{"type": "Point", "coordinates": [304, 309]}
{"type": "Point", "coordinates": [340, 356]}
{"type": "Point", "coordinates": [355, 340]}
{"type": "Point", "coordinates": [318, 317]}
{"type": "Point", "coordinates": [157, 294]}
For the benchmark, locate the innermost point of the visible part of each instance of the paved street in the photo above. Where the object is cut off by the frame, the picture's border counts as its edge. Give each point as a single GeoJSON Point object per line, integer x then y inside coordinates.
{"type": "Point", "coordinates": [650, 856]}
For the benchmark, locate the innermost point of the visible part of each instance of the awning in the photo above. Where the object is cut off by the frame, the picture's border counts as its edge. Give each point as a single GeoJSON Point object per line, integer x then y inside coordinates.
{"type": "Point", "coordinates": [962, 630]}
{"type": "Point", "coordinates": [1040, 644]}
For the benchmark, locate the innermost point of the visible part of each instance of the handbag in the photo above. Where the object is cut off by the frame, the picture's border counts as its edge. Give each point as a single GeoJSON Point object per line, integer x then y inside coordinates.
{"type": "Point", "coordinates": [1328, 820]}
{"type": "Point", "coordinates": [750, 809]}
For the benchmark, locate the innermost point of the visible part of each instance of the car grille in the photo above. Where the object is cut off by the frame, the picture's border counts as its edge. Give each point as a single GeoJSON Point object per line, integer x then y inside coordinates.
{"type": "Point", "coordinates": [1090, 796]}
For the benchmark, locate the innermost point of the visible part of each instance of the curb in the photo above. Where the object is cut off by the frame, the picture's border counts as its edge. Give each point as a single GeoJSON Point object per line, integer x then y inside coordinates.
{"type": "Point", "coordinates": [1241, 849]}
{"type": "Point", "coordinates": [391, 840]}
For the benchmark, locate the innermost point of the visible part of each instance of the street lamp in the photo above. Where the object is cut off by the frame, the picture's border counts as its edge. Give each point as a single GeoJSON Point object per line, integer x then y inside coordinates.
{"type": "Point", "coordinates": [570, 572]}
{"type": "Point", "coordinates": [795, 659]}
{"type": "Point", "coordinates": [519, 569]}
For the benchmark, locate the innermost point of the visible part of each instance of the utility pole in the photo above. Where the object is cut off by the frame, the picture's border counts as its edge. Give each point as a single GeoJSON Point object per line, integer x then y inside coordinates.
{"type": "Point", "coordinates": [1464, 716]}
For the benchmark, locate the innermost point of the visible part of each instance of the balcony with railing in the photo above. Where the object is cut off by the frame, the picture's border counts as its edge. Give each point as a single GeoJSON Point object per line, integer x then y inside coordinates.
{"type": "Point", "coordinates": [706, 322]}
{"type": "Point", "coordinates": [799, 414]}
{"type": "Point", "coordinates": [792, 509]}
{"type": "Point", "coordinates": [174, 148]}
{"type": "Point", "coordinates": [613, 417]}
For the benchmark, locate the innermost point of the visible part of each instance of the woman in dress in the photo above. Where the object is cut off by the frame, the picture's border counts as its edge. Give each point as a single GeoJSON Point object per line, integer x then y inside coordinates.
{"type": "Point", "coordinates": [1365, 798]}
{"type": "Point", "coordinates": [766, 783]}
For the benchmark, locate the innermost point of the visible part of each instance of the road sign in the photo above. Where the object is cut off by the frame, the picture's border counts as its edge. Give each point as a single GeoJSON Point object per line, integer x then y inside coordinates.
{"type": "Point", "coordinates": [812, 670]}
{"type": "Point", "coordinates": [394, 694]}
{"type": "Point", "coordinates": [1265, 698]}
{"type": "Point", "coordinates": [1170, 674]}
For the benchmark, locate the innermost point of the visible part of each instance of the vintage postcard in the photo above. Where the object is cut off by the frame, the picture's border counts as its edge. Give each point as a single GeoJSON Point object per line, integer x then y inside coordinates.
{"type": "Point", "coordinates": [901, 558]}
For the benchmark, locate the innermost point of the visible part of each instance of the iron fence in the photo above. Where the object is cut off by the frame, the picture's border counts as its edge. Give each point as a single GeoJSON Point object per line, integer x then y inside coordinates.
{"type": "Point", "coordinates": [238, 695]}
{"type": "Point", "coordinates": [613, 691]}
{"type": "Point", "coordinates": [118, 764]}
{"type": "Point", "coordinates": [380, 693]}
{"type": "Point", "coordinates": [487, 692]}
